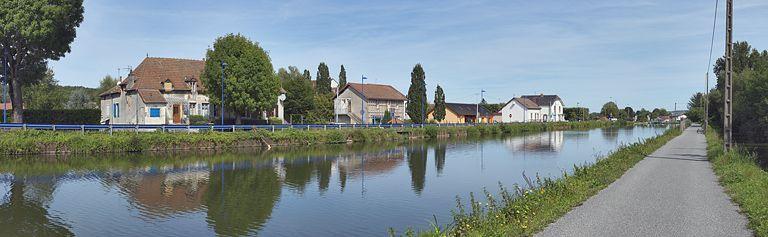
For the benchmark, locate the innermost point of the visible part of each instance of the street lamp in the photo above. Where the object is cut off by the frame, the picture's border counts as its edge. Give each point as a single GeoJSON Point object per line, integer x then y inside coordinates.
{"type": "Point", "coordinates": [223, 66]}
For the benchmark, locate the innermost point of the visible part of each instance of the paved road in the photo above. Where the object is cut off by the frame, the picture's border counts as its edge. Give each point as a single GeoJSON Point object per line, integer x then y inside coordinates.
{"type": "Point", "coordinates": [672, 192]}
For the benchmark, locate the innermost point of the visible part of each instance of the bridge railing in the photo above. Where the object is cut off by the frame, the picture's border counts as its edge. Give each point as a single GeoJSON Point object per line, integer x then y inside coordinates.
{"type": "Point", "coordinates": [193, 128]}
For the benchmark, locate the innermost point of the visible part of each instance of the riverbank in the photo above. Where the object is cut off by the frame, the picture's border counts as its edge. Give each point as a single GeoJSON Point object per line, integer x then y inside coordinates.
{"type": "Point", "coordinates": [527, 209]}
{"type": "Point", "coordinates": [30, 142]}
{"type": "Point", "coordinates": [743, 179]}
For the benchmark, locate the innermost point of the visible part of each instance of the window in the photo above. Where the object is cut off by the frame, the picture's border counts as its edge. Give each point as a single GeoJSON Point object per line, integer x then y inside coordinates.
{"type": "Point", "coordinates": [116, 110]}
{"type": "Point", "coordinates": [154, 112]}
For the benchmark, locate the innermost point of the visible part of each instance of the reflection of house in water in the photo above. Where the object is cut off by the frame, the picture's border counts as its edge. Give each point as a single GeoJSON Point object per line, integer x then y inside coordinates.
{"type": "Point", "coordinates": [166, 193]}
{"type": "Point", "coordinates": [547, 141]}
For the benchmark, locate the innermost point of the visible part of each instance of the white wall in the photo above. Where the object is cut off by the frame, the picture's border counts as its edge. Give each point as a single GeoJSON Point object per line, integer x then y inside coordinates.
{"type": "Point", "coordinates": [515, 112]}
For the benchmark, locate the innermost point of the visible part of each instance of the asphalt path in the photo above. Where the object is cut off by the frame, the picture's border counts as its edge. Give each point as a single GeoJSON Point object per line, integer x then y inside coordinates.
{"type": "Point", "coordinates": [672, 192]}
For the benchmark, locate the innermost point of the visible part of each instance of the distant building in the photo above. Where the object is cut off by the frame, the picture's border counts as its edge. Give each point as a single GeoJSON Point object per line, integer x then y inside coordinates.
{"type": "Point", "coordinates": [163, 91]}
{"type": "Point", "coordinates": [375, 98]}
{"type": "Point", "coordinates": [463, 113]}
{"type": "Point", "coordinates": [551, 107]}
{"type": "Point", "coordinates": [520, 110]}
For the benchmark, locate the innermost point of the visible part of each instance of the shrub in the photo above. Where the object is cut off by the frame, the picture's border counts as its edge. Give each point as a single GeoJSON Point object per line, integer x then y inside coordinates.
{"type": "Point", "coordinates": [275, 120]}
{"type": "Point", "coordinates": [198, 120]}
{"type": "Point", "coordinates": [431, 131]}
{"type": "Point", "coordinates": [63, 116]}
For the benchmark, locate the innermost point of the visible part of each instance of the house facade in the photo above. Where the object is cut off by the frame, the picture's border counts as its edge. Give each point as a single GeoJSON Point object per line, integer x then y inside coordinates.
{"type": "Point", "coordinates": [520, 110]}
{"type": "Point", "coordinates": [463, 113]}
{"type": "Point", "coordinates": [366, 103]}
{"type": "Point", "coordinates": [551, 107]}
{"type": "Point", "coordinates": [161, 91]}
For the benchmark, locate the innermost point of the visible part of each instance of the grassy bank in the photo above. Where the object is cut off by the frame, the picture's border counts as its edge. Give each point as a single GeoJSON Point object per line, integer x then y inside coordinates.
{"type": "Point", "coordinates": [20, 142]}
{"type": "Point", "coordinates": [528, 209]}
{"type": "Point", "coordinates": [744, 181]}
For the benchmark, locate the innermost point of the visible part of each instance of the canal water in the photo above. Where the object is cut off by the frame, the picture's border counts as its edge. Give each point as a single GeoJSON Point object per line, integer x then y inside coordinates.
{"type": "Point", "coordinates": [343, 190]}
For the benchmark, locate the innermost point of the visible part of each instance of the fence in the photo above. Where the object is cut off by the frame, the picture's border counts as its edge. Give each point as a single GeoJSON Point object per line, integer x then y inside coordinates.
{"type": "Point", "coordinates": [189, 128]}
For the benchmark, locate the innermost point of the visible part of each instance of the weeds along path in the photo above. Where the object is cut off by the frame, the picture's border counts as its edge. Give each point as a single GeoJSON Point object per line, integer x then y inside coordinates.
{"type": "Point", "coordinates": [672, 192]}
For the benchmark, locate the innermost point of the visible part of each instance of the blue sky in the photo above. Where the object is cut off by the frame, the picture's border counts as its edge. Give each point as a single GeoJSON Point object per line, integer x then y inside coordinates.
{"type": "Point", "coordinates": [641, 53]}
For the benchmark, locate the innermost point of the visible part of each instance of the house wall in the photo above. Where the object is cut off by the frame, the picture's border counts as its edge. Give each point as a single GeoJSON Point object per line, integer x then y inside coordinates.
{"type": "Point", "coordinates": [554, 112]}
{"type": "Point", "coordinates": [450, 117]}
{"type": "Point", "coordinates": [350, 102]}
{"type": "Point", "coordinates": [515, 112]}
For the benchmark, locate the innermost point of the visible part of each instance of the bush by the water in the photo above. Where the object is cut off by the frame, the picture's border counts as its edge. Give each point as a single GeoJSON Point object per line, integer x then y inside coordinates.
{"type": "Point", "coordinates": [63, 116]}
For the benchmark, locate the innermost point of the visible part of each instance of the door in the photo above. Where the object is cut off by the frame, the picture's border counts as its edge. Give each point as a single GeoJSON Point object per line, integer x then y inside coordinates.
{"type": "Point", "coordinates": [176, 114]}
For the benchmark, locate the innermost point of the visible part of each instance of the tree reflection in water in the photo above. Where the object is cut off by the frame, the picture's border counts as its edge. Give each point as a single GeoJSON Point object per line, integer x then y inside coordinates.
{"type": "Point", "coordinates": [240, 201]}
{"type": "Point", "coordinates": [440, 157]}
{"type": "Point", "coordinates": [417, 163]}
{"type": "Point", "coordinates": [26, 211]}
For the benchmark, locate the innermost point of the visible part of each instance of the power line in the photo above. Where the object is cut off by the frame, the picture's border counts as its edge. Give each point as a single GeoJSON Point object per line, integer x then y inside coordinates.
{"type": "Point", "coordinates": [712, 42]}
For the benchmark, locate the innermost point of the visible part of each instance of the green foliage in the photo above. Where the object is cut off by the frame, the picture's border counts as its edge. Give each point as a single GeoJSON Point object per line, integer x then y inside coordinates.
{"type": "Point", "coordinates": [62, 116]}
{"type": "Point", "coordinates": [526, 210]}
{"type": "Point", "coordinates": [323, 110]}
{"type": "Point", "coordinates": [323, 83]}
{"type": "Point", "coordinates": [107, 83]}
{"type": "Point", "coordinates": [642, 115]}
{"type": "Point", "coordinates": [659, 112]}
{"type": "Point", "coordinates": [300, 97]}
{"type": "Point", "coordinates": [35, 31]}
{"type": "Point", "coordinates": [628, 113]}
{"type": "Point", "coordinates": [342, 77]}
{"type": "Point", "coordinates": [610, 110]}
{"type": "Point", "coordinates": [696, 108]}
{"type": "Point", "coordinates": [250, 83]}
{"type": "Point", "coordinates": [439, 110]}
{"type": "Point", "coordinates": [80, 99]}
{"type": "Point", "coordinates": [743, 179]}
{"type": "Point", "coordinates": [387, 118]}
{"type": "Point", "coordinates": [417, 95]}
{"type": "Point", "coordinates": [198, 120]}
{"type": "Point", "coordinates": [576, 113]}
{"type": "Point", "coordinates": [44, 94]}
{"type": "Point", "coordinates": [275, 120]}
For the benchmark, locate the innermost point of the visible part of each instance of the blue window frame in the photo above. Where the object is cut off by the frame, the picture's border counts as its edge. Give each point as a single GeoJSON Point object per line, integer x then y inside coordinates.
{"type": "Point", "coordinates": [154, 112]}
{"type": "Point", "coordinates": [116, 110]}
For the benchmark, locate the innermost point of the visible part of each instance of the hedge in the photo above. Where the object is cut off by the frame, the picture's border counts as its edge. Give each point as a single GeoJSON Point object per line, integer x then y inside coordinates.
{"type": "Point", "coordinates": [63, 116]}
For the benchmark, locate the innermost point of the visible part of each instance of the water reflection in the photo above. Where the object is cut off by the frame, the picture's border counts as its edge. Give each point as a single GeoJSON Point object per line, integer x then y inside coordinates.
{"type": "Point", "coordinates": [335, 190]}
{"type": "Point", "coordinates": [543, 142]}
{"type": "Point", "coordinates": [24, 211]}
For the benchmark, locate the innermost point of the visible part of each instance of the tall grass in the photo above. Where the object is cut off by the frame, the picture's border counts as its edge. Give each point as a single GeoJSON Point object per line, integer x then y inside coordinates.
{"type": "Point", "coordinates": [21, 142]}
{"type": "Point", "coordinates": [744, 181]}
{"type": "Point", "coordinates": [525, 210]}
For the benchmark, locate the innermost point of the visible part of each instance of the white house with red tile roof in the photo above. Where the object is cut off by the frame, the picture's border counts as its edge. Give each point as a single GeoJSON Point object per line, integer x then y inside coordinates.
{"type": "Point", "coordinates": [162, 91]}
{"type": "Point", "coordinates": [375, 98]}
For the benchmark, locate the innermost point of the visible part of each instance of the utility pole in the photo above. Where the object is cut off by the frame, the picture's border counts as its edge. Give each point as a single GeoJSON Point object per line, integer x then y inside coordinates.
{"type": "Point", "coordinates": [5, 83]}
{"type": "Point", "coordinates": [706, 104]}
{"type": "Point", "coordinates": [223, 66]}
{"type": "Point", "coordinates": [728, 101]}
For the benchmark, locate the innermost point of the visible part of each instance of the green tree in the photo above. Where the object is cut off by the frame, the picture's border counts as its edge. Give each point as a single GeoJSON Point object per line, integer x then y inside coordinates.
{"type": "Point", "coordinates": [657, 112]}
{"type": "Point", "coordinates": [80, 99]}
{"type": "Point", "coordinates": [299, 94]}
{"type": "Point", "coordinates": [387, 119]}
{"type": "Point", "coordinates": [439, 111]}
{"type": "Point", "coordinates": [610, 110]}
{"type": "Point", "coordinates": [33, 32]}
{"type": "Point", "coordinates": [323, 83]}
{"type": "Point", "coordinates": [696, 108]}
{"type": "Point", "coordinates": [417, 95]}
{"type": "Point", "coordinates": [44, 94]}
{"type": "Point", "coordinates": [251, 85]}
{"type": "Point", "coordinates": [576, 113]}
{"type": "Point", "coordinates": [642, 115]}
{"type": "Point", "coordinates": [342, 77]}
{"type": "Point", "coordinates": [628, 113]}
{"type": "Point", "coordinates": [323, 111]}
{"type": "Point", "coordinates": [107, 83]}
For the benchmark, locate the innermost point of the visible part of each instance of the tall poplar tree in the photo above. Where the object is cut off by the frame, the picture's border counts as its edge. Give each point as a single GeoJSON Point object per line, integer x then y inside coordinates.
{"type": "Point", "coordinates": [417, 95]}
{"type": "Point", "coordinates": [439, 113]}
{"type": "Point", "coordinates": [342, 77]}
{"type": "Point", "coordinates": [323, 83]}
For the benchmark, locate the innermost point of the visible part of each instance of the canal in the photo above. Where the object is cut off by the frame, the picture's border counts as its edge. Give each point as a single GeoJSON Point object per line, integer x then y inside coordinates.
{"type": "Point", "coordinates": [341, 190]}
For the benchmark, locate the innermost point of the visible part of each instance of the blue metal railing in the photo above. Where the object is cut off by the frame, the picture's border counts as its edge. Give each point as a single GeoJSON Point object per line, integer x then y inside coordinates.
{"type": "Point", "coordinates": [225, 128]}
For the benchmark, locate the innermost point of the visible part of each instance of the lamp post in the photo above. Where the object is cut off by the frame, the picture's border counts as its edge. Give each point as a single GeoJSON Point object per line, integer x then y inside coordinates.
{"type": "Point", "coordinates": [223, 66]}
{"type": "Point", "coordinates": [477, 107]}
{"type": "Point", "coordinates": [335, 112]}
{"type": "Point", "coordinates": [362, 102]}
{"type": "Point", "coordinates": [5, 82]}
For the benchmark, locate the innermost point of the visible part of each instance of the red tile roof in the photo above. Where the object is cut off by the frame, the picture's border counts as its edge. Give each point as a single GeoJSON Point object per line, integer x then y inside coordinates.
{"type": "Point", "coordinates": [151, 96]}
{"type": "Point", "coordinates": [152, 72]}
{"type": "Point", "coordinates": [376, 91]}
